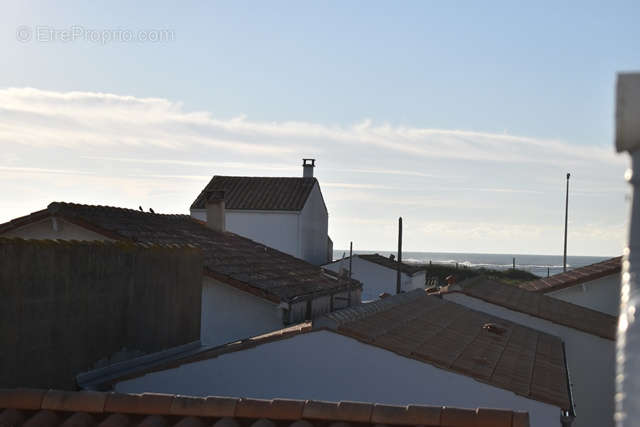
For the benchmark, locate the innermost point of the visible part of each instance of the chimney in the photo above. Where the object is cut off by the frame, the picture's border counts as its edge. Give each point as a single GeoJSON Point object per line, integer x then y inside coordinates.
{"type": "Point", "coordinates": [307, 167]}
{"type": "Point", "coordinates": [214, 205]}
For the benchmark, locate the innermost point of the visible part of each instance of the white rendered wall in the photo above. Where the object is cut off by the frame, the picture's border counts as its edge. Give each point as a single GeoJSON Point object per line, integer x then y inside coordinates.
{"type": "Point", "coordinates": [44, 230]}
{"type": "Point", "coordinates": [277, 229]}
{"type": "Point", "coordinates": [591, 361]}
{"type": "Point", "coordinates": [601, 294]}
{"type": "Point", "coordinates": [229, 314]}
{"type": "Point", "coordinates": [324, 365]}
{"type": "Point", "coordinates": [314, 228]}
{"type": "Point", "coordinates": [376, 279]}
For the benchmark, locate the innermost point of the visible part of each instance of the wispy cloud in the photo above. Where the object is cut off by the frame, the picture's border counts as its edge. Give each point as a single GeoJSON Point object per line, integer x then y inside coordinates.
{"type": "Point", "coordinates": [80, 119]}
{"type": "Point", "coordinates": [452, 186]}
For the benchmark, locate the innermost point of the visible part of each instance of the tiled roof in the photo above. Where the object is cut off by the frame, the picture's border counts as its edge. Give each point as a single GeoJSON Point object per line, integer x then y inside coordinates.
{"type": "Point", "coordinates": [228, 257]}
{"type": "Point", "coordinates": [409, 269]}
{"type": "Point", "coordinates": [259, 193]}
{"type": "Point", "coordinates": [542, 306]}
{"type": "Point", "coordinates": [575, 277]}
{"type": "Point", "coordinates": [453, 337]}
{"type": "Point", "coordinates": [28, 407]}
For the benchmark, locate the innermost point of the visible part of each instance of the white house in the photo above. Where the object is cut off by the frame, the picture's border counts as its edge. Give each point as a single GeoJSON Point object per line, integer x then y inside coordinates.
{"type": "Point", "coordinates": [596, 286]}
{"type": "Point", "coordinates": [288, 214]}
{"type": "Point", "coordinates": [588, 336]}
{"type": "Point", "coordinates": [410, 348]}
{"type": "Point", "coordinates": [248, 288]}
{"type": "Point", "coordinates": [378, 274]}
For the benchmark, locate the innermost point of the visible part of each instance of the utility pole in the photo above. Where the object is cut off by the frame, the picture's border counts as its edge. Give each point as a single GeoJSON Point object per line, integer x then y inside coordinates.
{"type": "Point", "coordinates": [566, 221]}
{"type": "Point", "coordinates": [350, 264]}
{"type": "Point", "coordinates": [398, 276]}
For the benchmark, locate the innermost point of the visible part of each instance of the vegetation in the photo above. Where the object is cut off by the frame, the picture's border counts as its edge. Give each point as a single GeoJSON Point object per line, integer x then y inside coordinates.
{"type": "Point", "coordinates": [510, 276]}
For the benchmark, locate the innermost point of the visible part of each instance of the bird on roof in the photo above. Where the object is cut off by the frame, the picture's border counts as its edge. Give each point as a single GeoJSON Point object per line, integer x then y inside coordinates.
{"type": "Point", "coordinates": [151, 210]}
{"type": "Point", "coordinates": [140, 207]}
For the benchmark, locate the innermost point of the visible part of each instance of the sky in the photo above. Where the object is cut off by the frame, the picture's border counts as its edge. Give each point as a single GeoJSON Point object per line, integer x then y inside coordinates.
{"type": "Point", "coordinates": [461, 117]}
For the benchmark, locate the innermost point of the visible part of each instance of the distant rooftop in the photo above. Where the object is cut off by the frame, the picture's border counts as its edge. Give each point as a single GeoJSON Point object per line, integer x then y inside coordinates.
{"type": "Point", "coordinates": [259, 193]}
{"type": "Point", "coordinates": [384, 261]}
{"type": "Point", "coordinates": [540, 305]}
{"type": "Point", "coordinates": [576, 276]}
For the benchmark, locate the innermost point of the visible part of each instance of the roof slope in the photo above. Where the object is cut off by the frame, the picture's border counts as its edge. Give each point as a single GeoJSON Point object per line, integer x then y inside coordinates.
{"type": "Point", "coordinates": [542, 306]}
{"type": "Point", "coordinates": [228, 257]}
{"type": "Point", "coordinates": [259, 193]}
{"type": "Point", "coordinates": [52, 408]}
{"type": "Point", "coordinates": [575, 277]}
{"type": "Point", "coordinates": [493, 350]}
{"type": "Point", "coordinates": [409, 269]}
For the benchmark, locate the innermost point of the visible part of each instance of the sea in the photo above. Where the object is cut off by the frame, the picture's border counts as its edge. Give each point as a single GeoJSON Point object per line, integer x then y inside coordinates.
{"type": "Point", "coordinates": [540, 265]}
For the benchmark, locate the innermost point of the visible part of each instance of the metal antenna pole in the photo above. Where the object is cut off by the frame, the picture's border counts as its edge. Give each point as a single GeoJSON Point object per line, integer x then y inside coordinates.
{"type": "Point", "coordinates": [398, 276]}
{"type": "Point", "coordinates": [566, 220]}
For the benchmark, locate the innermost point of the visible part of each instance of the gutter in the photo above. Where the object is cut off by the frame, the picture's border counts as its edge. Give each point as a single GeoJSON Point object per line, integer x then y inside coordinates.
{"type": "Point", "coordinates": [567, 416]}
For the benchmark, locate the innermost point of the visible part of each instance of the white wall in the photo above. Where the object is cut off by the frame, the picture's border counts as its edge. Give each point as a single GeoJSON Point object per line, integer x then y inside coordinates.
{"type": "Point", "coordinates": [314, 228]}
{"type": "Point", "coordinates": [324, 365]}
{"type": "Point", "coordinates": [229, 314]}
{"type": "Point", "coordinates": [276, 229]}
{"type": "Point", "coordinates": [44, 229]}
{"type": "Point", "coordinates": [375, 278]}
{"type": "Point", "coordinates": [591, 361]}
{"type": "Point", "coordinates": [601, 294]}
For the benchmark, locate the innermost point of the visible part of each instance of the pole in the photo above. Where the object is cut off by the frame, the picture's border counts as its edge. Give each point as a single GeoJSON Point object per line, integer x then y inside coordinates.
{"type": "Point", "coordinates": [350, 264]}
{"type": "Point", "coordinates": [566, 221]}
{"type": "Point", "coordinates": [398, 274]}
{"type": "Point", "coordinates": [514, 263]}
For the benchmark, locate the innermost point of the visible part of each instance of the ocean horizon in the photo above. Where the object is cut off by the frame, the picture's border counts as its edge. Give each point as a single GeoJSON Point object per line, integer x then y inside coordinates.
{"type": "Point", "coordinates": [540, 265]}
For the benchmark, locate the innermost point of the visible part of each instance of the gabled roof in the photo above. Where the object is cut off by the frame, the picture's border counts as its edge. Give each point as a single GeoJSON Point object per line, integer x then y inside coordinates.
{"type": "Point", "coordinates": [431, 330]}
{"type": "Point", "coordinates": [453, 337]}
{"type": "Point", "coordinates": [32, 407]}
{"type": "Point", "coordinates": [542, 306]}
{"type": "Point", "coordinates": [575, 277]}
{"type": "Point", "coordinates": [228, 257]}
{"type": "Point", "coordinates": [392, 264]}
{"type": "Point", "coordinates": [259, 193]}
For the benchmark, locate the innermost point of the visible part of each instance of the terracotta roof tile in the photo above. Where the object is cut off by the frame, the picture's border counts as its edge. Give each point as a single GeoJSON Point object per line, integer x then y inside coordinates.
{"type": "Point", "coordinates": [451, 336]}
{"type": "Point", "coordinates": [83, 401]}
{"type": "Point", "coordinates": [170, 410]}
{"type": "Point", "coordinates": [228, 257]}
{"type": "Point", "coordinates": [259, 193]}
{"type": "Point", "coordinates": [542, 306]}
{"type": "Point", "coordinates": [575, 277]}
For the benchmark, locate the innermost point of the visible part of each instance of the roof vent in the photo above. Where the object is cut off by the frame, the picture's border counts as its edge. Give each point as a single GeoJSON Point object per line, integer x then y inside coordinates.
{"type": "Point", "coordinates": [307, 167]}
{"type": "Point", "coordinates": [494, 328]}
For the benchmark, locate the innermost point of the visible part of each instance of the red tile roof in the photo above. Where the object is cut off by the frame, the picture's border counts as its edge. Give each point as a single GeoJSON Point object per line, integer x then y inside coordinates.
{"type": "Point", "coordinates": [575, 277]}
{"type": "Point", "coordinates": [453, 337]}
{"type": "Point", "coordinates": [540, 305]}
{"type": "Point", "coordinates": [259, 193]}
{"type": "Point", "coordinates": [29, 407]}
{"type": "Point", "coordinates": [228, 257]}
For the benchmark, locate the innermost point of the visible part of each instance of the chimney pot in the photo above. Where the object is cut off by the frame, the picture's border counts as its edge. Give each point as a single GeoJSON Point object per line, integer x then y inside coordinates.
{"type": "Point", "coordinates": [307, 167]}
{"type": "Point", "coordinates": [215, 207]}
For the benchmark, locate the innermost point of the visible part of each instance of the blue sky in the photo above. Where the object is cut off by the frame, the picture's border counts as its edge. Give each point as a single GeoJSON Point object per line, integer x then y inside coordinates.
{"type": "Point", "coordinates": [463, 117]}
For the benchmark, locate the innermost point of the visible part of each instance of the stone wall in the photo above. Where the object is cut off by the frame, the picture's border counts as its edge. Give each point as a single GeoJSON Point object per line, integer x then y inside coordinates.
{"type": "Point", "coordinates": [69, 306]}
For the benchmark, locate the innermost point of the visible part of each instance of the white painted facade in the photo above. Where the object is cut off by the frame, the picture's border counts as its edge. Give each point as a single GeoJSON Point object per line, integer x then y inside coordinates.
{"type": "Point", "coordinates": [303, 234]}
{"type": "Point", "coordinates": [377, 279]}
{"type": "Point", "coordinates": [229, 314]}
{"type": "Point", "coordinates": [324, 365]}
{"type": "Point", "coordinates": [590, 360]}
{"type": "Point", "coordinates": [601, 294]}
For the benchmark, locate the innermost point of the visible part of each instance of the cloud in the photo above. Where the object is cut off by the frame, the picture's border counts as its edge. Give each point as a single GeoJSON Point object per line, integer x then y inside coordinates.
{"type": "Point", "coordinates": [455, 188]}
{"type": "Point", "coordinates": [84, 119]}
